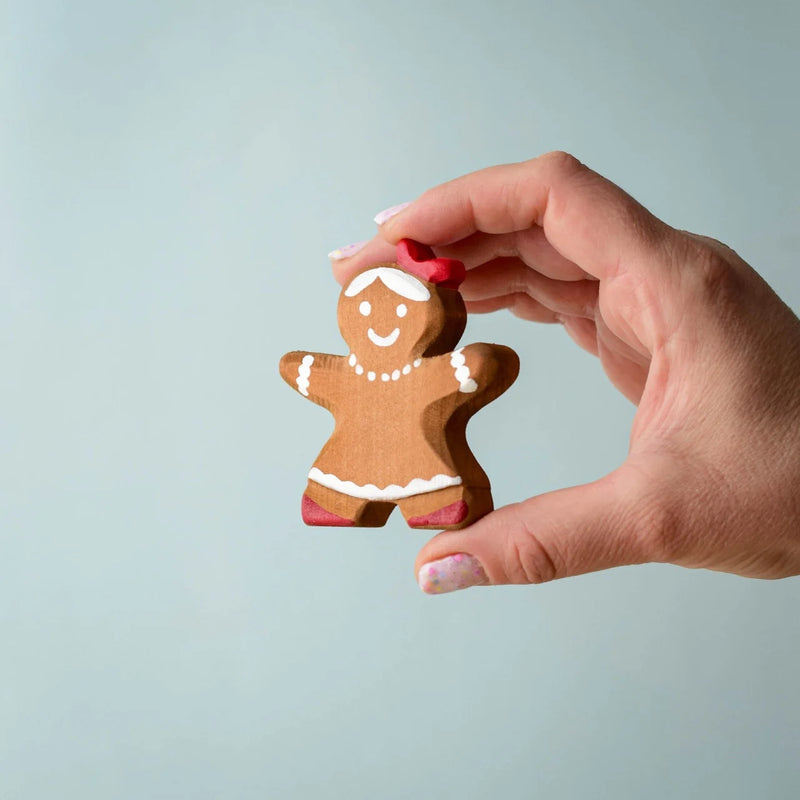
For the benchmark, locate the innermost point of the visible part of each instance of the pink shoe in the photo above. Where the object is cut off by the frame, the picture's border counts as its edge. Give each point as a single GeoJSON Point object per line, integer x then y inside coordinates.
{"type": "Point", "coordinates": [449, 515]}
{"type": "Point", "coordinates": [315, 514]}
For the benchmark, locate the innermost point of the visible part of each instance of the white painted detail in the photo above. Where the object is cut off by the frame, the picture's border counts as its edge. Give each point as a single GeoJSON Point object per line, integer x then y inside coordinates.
{"type": "Point", "coordinates": [394, 375]}
{"type": "Point", "coordinates": [303, 373]}
{"type": "Point", "coordinates": [458, 362]}
{"type": "Point", "coordinates": [418, 362]}
{"type": "Point", "coordinates": [392, 492]}
{"type": "Point", "coordinates": [365, 308]}
{"type": "Point", "coordinates": [383, 341]}
{"type": "Point", "coordinates": [402, 310]}
{"type": "Point", "coordinates": [393, 279]}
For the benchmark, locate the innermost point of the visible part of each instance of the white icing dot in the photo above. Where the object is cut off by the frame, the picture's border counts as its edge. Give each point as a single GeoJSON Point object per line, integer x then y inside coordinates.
{"type": "Point", "coordinates": [461, 372]}
{"type": "Point", "coordinates": [303, 373]}
{"type": "Point", "coordinates": [395, 375]}
{"type": "Point", "coordinates": [365, 308]}
{"type": "Point", "coordinates": [402, 310]}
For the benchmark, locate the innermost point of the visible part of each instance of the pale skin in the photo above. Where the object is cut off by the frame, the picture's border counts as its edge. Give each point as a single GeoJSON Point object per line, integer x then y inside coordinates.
{"type": "Point", "coordinates": [683, 327]}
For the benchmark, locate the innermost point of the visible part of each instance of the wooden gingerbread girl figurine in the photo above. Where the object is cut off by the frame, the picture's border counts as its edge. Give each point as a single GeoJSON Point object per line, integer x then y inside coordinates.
{"type": "Point", "coordinates": [401, 399]}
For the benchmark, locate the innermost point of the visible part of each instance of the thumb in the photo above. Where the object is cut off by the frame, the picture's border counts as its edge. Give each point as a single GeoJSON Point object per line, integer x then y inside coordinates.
{"type": "Point", "coordinates": [603, 524]}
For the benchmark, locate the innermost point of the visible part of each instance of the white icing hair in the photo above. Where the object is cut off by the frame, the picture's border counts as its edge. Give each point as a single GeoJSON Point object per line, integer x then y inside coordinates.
{"type": "Point", "coordinates": [394, 279]}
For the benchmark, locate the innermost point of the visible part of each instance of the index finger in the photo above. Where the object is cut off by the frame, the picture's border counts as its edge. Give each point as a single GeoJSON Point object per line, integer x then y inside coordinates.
{"type": "Point", "coordinates": [585, 217]}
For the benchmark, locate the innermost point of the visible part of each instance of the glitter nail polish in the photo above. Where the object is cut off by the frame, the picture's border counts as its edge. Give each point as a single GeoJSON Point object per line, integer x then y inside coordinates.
{"type": "Point", "coordinates": [388, 213]}
{"type": "Point", "coordinates": [348, 250]}
{"type": "Point", "coordinates": [459, 571]}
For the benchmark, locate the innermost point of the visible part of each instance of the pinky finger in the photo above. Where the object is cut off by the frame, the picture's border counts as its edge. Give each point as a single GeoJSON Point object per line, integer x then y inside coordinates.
{"type": "Point", "coordinates": [519, 304]}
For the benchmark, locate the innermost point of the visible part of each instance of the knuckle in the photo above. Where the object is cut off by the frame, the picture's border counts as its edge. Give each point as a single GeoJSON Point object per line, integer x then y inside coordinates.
{"type": "Point", "coordinates": [721, 248]}
{"type": "Point", "coordinates": [528, 559]}
{"type": "Point", "coordinates": [655, 519]}
{"type": "Point", "coordinates": [715, 274]}
{"type": "Point", "coordinates": [708, 273]}
{"type": "Point", "coordinates": [561, 162]}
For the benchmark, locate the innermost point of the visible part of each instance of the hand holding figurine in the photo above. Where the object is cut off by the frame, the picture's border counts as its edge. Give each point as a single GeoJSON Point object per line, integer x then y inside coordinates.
{"type": "Point", "coordinates": [682, 326]}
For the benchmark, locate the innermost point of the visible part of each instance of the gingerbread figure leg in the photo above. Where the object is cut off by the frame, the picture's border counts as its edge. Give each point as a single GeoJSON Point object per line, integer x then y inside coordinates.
{"type": "Point", "coordinates": [447, 509]}
{"type": "Point", "coordinates": [324, 506]}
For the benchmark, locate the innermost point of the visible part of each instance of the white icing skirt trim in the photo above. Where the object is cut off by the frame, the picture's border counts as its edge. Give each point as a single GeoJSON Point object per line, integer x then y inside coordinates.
{"type": "Point", "coordinates": [391, 492]}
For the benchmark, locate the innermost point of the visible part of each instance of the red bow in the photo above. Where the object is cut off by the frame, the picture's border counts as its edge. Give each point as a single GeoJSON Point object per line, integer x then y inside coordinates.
{"type": "Point", "coordinates": [420, 260]}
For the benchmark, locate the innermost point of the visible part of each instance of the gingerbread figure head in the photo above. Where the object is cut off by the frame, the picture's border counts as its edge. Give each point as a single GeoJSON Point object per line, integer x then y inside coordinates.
{"type": "Point", "coordinates": [395, 313]}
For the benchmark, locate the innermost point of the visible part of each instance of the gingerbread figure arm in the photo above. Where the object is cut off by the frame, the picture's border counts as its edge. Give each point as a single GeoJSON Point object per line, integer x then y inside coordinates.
{"type": "Point", "coordinates": [314, 375]}
{"type": "Point", "coordinates": [477, 373]}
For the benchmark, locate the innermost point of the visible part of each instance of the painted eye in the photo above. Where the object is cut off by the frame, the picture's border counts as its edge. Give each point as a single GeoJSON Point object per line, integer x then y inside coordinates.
{"type": "Point", "coordinates": [402, 310]}
{"type": "Point", "coordinates": [365, 308]}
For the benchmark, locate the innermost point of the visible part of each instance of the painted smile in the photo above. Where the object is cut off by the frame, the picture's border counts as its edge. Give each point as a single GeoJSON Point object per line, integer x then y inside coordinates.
{"type": "Point", "coordinates": [383, 341]}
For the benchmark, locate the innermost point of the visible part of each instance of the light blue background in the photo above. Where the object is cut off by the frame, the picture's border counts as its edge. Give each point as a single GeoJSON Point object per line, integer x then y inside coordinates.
{"type": "Point", "coordinates": [172, 175]}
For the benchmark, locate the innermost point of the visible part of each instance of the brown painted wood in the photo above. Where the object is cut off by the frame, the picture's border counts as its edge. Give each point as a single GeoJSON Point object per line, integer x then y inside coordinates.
{"type": "Point", "coordinates": [401, 400]}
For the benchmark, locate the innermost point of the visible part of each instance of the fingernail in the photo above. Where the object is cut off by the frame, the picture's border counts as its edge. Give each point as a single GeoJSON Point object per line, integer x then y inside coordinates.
{"type": "Point", "coordinates": [390, 212]}
{"type": "Point", "coordinates": [348, 250]}
{"type": "Point", "coordinates": [450, 574]}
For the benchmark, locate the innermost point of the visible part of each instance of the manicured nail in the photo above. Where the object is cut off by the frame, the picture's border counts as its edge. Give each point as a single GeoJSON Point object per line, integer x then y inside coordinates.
{"type": "Point", "coordinates": [450, 574]}
{"type": "Point", "coordinates": [348, 250]}
{"type": "Point", "coordinates": [390, 212]}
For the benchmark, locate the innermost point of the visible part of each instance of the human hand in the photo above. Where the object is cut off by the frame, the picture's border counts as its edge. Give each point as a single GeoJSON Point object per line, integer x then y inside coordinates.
{"type": "Point", "coordinates": [682, 326]}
